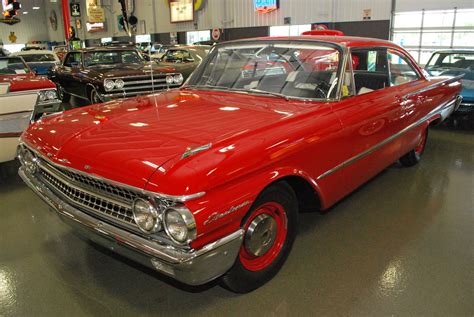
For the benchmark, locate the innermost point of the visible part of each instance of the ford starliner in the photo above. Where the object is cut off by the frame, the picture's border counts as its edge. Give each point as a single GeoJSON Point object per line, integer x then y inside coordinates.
{"type": "Point", "coordinates": [206, 181]}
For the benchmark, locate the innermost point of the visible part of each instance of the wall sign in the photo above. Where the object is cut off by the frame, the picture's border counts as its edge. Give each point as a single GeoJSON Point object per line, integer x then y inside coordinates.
{"type": "Point", "coordinates": [181, 10]}
{"type": "Point", "coordinates": [95, 13]}
{"type": "Point", "coordinates": [266, 6]}
{"type": "Point", "coordinates": [75, 9]}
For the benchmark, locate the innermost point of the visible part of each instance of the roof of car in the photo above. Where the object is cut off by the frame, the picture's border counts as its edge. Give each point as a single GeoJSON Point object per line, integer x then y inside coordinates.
{"type": "Point", "coordinates": [106, 48]}
{"type": "Point", "coordinates": [32, 52]}
{"type": "Point", "coordinates": [349, 41]}
{"type": "Point", "coordinates": [458, 51]}
{"type": "Point", "coordinates": [180, 47]}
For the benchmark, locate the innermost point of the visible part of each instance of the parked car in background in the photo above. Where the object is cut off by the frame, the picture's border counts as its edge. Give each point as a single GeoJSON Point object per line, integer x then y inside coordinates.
{"type": "Point", "coordinates": [104, 73]}
{"type": "Point", "coordinates": [206, 181]}
{"type": "Point", "coordinates": [456, 63]}
{"type": "Point", "coordinates": [159, 51]}
{"type": "Point", "coordinates": [40, 61]}
{"type": "Point", "coordinates": [60, 51]}
{"type": "Point", "coordinates": [184, 59]}
{"type": "Point", "coordinates": [23, 97]}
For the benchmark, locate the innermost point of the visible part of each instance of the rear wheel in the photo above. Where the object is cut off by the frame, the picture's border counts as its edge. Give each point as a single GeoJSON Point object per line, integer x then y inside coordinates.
{"type": "Point", "coordinates": [414, 156]}
{"type": "Point", "coordinates": [270, 229]}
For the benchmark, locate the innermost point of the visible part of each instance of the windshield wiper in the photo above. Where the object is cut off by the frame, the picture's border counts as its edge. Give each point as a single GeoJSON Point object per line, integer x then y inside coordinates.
{"type": "Point", "coordinates": [268, 93]}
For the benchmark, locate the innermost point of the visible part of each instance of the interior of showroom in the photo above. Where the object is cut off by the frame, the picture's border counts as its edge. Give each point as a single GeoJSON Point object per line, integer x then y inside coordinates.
{"type": "Point", "coordinates": [162, 157]}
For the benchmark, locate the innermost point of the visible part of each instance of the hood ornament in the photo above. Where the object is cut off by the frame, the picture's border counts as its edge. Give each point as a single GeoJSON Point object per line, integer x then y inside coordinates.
{"type": "Point", "coordinates": [191, 151]}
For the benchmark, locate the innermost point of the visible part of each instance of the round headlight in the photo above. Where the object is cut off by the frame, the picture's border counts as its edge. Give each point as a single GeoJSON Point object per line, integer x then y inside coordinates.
{"type": "Point", "coordinates": [169, 80]}
{"type": "Point", "coordinates": [180, 225]}
{"type": "Point", "coordinates": [51, 94]}
{"type": "Point", "coordinates": [109, 84]}
{"type": "Point", "coordinates": [178, 79]}
{"type": "Point", "coordinates": [42, 96]}
{"type": "Point", "coordinates": [145, 216]}
{"type": "Point", "coordinates": [30, 162]}
{"type": "Point", "coordinates": [119, 84]}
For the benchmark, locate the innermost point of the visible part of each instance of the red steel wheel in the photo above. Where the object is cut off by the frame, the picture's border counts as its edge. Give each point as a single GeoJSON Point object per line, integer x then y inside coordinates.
{"type": "Point", "coordinates": [414, 156]}
{"type": "Point", "coordinates": [270, 228]}
{"type": "Point", "coordinates": [421, 144]}
{"type": "Point", "coordinates": [265, 234]}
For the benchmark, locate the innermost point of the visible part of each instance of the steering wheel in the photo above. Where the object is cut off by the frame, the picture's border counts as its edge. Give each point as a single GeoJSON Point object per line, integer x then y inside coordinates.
{"type": "Point", "coordinates": [322, 89]}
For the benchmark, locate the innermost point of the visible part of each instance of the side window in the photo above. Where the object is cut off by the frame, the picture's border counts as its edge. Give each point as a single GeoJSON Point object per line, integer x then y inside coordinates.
{"type": "Point", "coordinates": [72, 59]}
{"type": "Point", "coordinates": [401, 70]}
{"type": "Point", "coordinates": [370, 69]}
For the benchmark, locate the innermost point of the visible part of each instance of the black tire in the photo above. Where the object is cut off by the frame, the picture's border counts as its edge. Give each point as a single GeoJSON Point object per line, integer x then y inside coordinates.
{"type": "Point", "coordinates": [241, 279]}
{"type": "Point", "coordinates": [64, 96]}
{"type": "Point", "coordinates": [414, 156]}
{"type": "Point", "coordinates": [94, 96]}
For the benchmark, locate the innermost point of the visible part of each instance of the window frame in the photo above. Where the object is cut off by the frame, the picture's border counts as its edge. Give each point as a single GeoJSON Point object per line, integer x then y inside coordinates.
{"type": "Point", "coordinates": [69, 54]}
{"type": "Point", "coordinates": [409, 63]}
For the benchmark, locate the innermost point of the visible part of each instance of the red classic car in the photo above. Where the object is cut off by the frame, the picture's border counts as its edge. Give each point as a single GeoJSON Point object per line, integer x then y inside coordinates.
{"type": "Point", "coordinates": [206, 181]}
{"type": "Point", "coordinates": [23, 96]}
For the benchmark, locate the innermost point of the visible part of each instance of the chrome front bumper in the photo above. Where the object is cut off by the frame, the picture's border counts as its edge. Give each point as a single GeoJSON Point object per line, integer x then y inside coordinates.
{"type": "Point", "coordinates": [193, 267]}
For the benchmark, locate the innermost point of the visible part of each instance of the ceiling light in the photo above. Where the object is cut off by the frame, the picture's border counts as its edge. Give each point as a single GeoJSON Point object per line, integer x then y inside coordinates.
{"type": "Point", "coordinates": [25, 12]}
{"type": "Point", "coordinates": [36, 8]}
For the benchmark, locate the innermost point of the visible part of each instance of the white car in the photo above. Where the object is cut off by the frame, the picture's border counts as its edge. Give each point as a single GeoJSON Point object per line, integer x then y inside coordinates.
{"type": "Point", "coordinates": [40, 61]}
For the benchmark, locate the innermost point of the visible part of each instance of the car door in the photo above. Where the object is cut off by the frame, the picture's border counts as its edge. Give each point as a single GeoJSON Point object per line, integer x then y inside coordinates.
{"type": "Point", "coordinates": [67, 73]}
{"type": "Point", "coordinates": [371, 115]}
{"type": "Point", "coordinates": [415, 99]}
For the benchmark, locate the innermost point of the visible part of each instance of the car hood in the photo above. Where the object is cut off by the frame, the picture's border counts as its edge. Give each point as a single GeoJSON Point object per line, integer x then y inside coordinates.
{"type": "Point", "coordinates": [26, 82]}
{"type": "Point", "coordinates": [123, 70]}
{"type": "Point", "coordinates": [128, 140]}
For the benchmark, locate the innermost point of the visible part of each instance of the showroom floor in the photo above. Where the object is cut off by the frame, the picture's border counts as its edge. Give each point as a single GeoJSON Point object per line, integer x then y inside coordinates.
{"type": "Point", "coordinates": [402, 244]}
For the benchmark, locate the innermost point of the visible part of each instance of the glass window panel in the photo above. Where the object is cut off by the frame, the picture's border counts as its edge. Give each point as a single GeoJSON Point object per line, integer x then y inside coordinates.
{"type": "Point", "coordinates": [438, 18]}
{"type": "Point", "coordinates": [407, 38]}
{"type": "Point", "coordinates": [425, 56]}
{"type": "Point", "coordinates": [415, 54]}
{"type": "Point", "coordinates": [407, 20]}
{"type": "Point", "coordinates": [465, 17]}
{"type": "Point", "coordinates": [436, 39]}
{"type": "Point", "coordinates": [464, 38]}
{"type": "Point", "coordinates": [401, 71]}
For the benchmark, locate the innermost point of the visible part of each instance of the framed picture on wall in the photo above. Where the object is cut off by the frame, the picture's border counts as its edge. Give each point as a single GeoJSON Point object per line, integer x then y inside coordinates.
{"type": "Point", "coordinates": [181, 10]}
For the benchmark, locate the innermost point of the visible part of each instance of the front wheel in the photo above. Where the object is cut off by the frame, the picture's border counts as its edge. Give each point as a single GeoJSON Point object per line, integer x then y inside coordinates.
{"type": "Point", "coordinates": [270, 229]}
{"type": "Point", "coordinates": [94, 96]}
{"type": "Point", "coordinates": [414, 156]}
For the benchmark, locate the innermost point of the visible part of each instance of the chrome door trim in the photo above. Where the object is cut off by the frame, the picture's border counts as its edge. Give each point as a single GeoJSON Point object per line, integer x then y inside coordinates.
{"type": "Point", "coordinates": [363, 154]}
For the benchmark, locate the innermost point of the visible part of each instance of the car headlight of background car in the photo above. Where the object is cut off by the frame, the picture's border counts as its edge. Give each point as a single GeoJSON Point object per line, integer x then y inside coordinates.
{"type": "Point", "coordinates": [111, 84]}
{"type": "Point", "coordinates": [48, 96]}
{"type": "Point", "coordinates": [174, 79]}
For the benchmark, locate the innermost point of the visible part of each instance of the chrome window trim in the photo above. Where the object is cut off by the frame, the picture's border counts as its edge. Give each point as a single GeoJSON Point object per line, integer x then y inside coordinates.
{"type": "Point", "coordinates": [175, 198]}
{"type": "Point", "coordinates": [377, 146]}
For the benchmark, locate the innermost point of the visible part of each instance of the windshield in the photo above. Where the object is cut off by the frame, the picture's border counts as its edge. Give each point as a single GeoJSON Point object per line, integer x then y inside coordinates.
{"type": "Point", "coordinates": [32, 58]}
{"type": "Point", "coordinates": [452, 60]}
{"type": "Point", "coordinates": [111, 57]}
{"type": "Point", "coordinates": [13, 66]}
{"type": "Point", "coordinates": [286, 69]}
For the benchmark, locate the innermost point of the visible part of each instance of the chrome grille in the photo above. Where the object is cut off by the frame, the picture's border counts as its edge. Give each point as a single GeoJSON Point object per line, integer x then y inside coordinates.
{"type": "Point", "coordinates": [138, 85]}
{"type": "Point", "coordinates": [90, 194]}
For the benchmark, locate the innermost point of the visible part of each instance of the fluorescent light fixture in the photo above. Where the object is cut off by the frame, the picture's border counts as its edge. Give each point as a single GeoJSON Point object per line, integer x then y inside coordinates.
{"type": "Point", "coordinates": [36, 8]}
{"type": "Point", "coordinates": [25, 12]}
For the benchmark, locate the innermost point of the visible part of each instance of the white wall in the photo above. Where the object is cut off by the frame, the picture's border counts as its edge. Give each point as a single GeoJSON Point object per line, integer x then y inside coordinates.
{"type": "Point", "coordinates": [241, 13]}
{"type": "Point", "coordinates": [31, 28]}
{"type": "Point", "coordinates": [417, 5]}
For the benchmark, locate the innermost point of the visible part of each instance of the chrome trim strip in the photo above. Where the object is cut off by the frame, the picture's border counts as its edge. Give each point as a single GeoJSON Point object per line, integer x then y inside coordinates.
{"type": "Point", "coordinates": [151, 248]}
{"type": "Point", "coordinates": [177, 198]}
{"type": "Point", "coordinates": [82, 189]}
{"type": "Point", "coordinates": [432, 86]}
{"type": "Point", "coordinates": [359, 156]}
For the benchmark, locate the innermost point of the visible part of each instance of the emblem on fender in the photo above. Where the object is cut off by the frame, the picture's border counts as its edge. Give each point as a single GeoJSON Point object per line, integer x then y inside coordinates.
{"type": "Point", "coordinates": [218, 215]}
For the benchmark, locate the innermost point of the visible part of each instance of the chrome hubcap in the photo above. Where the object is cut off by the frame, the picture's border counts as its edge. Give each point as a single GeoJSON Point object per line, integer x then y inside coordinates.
{"type": "Point", "coordinates": [260, 235]}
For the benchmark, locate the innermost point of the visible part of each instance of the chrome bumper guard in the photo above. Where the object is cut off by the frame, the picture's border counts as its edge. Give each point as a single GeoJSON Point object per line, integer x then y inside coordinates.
{"type": "Point", "coordinates": [193, 267]}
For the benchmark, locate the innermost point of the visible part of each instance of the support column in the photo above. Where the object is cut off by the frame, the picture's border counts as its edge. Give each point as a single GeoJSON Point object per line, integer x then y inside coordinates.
{"type": "Point", "coordinates": [67, 23]}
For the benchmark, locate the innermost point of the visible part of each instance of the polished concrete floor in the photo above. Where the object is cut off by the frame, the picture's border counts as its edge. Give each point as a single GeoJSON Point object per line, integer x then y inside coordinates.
{"type": "Point", "coordinates": [403, 244]}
